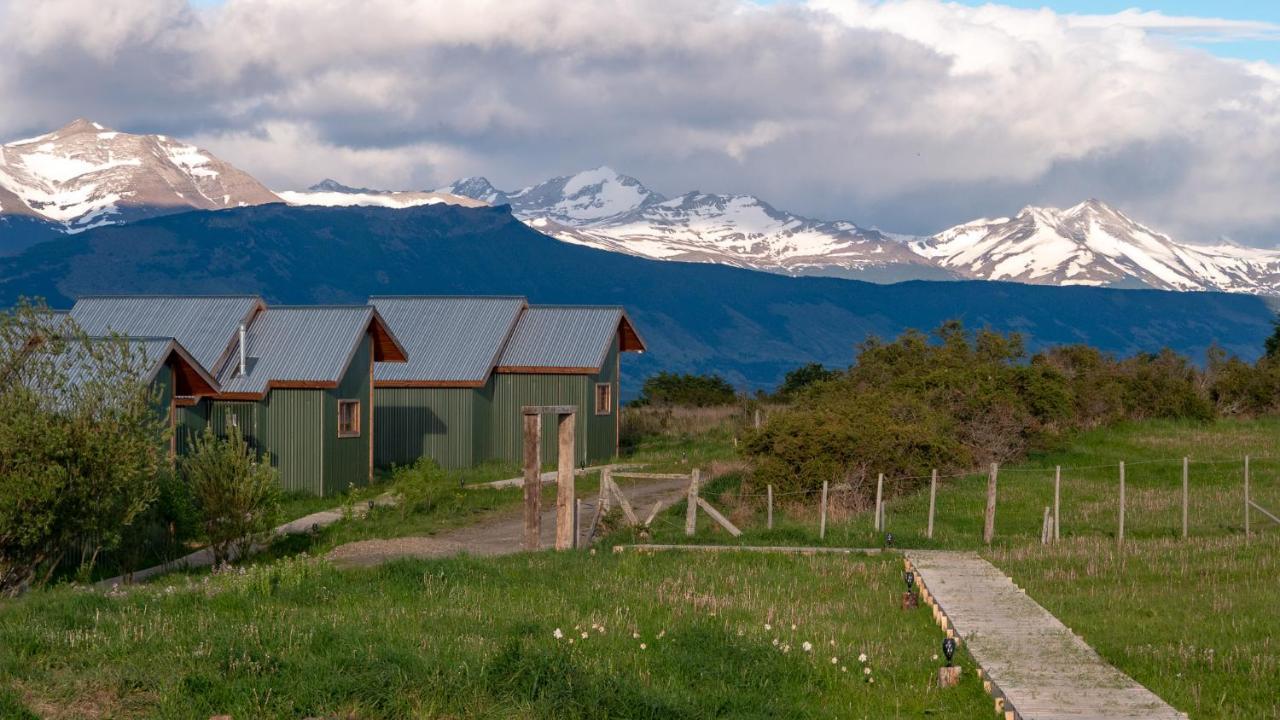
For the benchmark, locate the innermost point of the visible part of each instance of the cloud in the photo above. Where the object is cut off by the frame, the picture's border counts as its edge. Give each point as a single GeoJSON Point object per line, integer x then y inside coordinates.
{"type": "Point", "coordinates": [908, 114]}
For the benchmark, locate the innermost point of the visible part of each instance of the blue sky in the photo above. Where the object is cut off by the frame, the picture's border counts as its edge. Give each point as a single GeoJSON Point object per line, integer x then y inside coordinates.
{"type": "Point", "coordinates": [1261, 10]}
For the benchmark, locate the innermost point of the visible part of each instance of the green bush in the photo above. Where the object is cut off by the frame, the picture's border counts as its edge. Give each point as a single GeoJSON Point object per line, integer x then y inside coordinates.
{"type": "Point", "coordinates": [686, 390]}
{"type": "Point", "coordinates": [424, 487]}
{"type": "Point", "coordinates": [236, 494]}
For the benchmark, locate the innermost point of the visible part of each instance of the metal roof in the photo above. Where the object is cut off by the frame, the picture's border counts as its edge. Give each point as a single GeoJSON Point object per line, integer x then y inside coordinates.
{"type": "Point", "coordinates": [562, 336]}
{"type": "Point", "coordinates": [449, 339]}
{"type": "Point", "coordinates": [150, 352]}
{"type": "Point", "coordinates": [297, 344]}
{"type": "Point", "coordinates": [205, 325]}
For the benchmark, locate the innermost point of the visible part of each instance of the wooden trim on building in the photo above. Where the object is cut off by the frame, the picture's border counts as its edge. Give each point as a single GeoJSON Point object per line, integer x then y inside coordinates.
{"type": "Point", "coordinates": [536, 370]}
{"type": "Point", "coordinates": [468, 384]}
{"type": "Point", "coordinates": [372, 343]}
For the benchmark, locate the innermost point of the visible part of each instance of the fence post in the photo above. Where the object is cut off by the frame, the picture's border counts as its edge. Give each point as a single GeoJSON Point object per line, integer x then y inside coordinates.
{"type": "Point", "coordinates": [1246, 498]}
{"type": "Point", "coordinates": [1057, 501]}
{"type": "Point", "coordinates": [933, 494]}
{"type": "Point", "coordinates": [879, 503]}
{"type": "Point", "coordinates": [532, 481]}
{"type": "Point", "coordinates": [566, 495]}
{"type": "Point", "coordinates": [757, 418]}
{"type": "Point", "coordinates": [822, 522]}
{"type": "Point", "coordinates": [577, 521]}
{"type": "Point", "coordinates": [989, 522]}
{"type": "Point", "coordinates": [769, 490]}
{"type": "Point", "coordinates": [691, 512]}
{"type": "Point", "coordinates": [1120, 534]}
{"type": "Point", "coordinates": [1045, 533]}
{"type": "Point", "coordinates": [1184, 497]}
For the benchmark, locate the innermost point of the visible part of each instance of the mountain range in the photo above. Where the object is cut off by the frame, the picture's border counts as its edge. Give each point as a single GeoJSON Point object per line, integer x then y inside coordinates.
{"type": "Point", "coordinates": [751, 327]}
{"type": "Point", "coordinates": [85, 175]}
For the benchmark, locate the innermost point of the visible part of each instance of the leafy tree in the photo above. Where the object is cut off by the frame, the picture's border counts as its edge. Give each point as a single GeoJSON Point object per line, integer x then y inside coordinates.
{"type": "Point", "coordinates": [81, 449]}
{"type": "Point", "coordinates": [686, 390]}
{"type": "Point", "coordinates": [236, 493]}
{"type": "Point", "coordinates": [1271, 346]}
{"type": "Point", "coordinates": [804, 376]}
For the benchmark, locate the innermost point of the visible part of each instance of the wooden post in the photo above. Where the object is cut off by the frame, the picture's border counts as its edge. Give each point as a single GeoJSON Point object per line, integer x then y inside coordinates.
{"type": "Point", "coordinates": [577, 521]}
{"type": "Point", "coordinates": [933, 495]}
{"type": "Point", "coordinates": [691, 513]}
{"type": "Point", "coordinates": [1185, 478]}
{"type": "Point", "coordinates": [822, 520]}
{"type": "Point", "coordinates": [1057, 501]}
{"type": "Point", "coordinates": [880, 503]}
{"type": "Point", "coordinates": [1120, 533]}
{"type": "Point", "coordinates": [1045, 534]}
{"type": "Point", "coordinates": [948, 676]}
{"type": "Point", "coordinates": [1246, 497]}
{"type": "Point", "coordinates": [769, 492]}
{"type": "Point", "coordinates": [989, 521]}
{"type": "Point", "coordinates": [532, 481]}
{"type": "Point", "coordinates": [757, 418]}
{"type": "Point", "coordinates": [564, 483]}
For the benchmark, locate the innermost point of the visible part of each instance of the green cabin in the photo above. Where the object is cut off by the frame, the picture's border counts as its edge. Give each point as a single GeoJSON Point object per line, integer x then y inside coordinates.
{"type": "Point", "coordinates": [475, 361]}
{"type": "Point", "coordinates": [295, 380]}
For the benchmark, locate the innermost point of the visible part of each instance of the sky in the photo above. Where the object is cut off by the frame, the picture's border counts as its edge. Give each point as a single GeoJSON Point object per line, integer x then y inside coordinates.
{"type": "Point", "coordinates": [908, 115]}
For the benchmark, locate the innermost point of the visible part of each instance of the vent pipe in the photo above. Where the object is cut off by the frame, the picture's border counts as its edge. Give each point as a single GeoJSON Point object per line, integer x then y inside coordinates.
{"type": "Point", "coordinates": [244, 359]}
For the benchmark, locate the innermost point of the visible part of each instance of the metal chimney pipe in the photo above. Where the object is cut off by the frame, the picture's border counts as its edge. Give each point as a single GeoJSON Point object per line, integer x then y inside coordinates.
{"type": "Point", "coordinates": [244, 359]}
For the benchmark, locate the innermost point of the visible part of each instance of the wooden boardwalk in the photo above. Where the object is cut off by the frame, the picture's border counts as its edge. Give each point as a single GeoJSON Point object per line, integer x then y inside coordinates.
{"type": "Point", "coordinates": [1037, 669]}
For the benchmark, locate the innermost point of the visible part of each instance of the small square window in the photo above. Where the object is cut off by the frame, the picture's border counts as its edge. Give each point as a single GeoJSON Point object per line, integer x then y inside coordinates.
{"type": "Point", "coordinates": [348, 418]}
{"type": "Point", "coordinates": [604, 398]}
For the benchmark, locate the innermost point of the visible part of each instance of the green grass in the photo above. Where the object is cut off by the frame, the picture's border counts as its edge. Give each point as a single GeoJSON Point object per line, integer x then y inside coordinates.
{"type": "Point", "coordinates": [1192, 620]}
{"type": "Point", "coordinates": [475, 639]}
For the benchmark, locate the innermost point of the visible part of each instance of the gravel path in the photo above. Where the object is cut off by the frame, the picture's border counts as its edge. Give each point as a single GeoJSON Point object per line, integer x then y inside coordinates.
{"type": "Point", "coordinates": [499, 535]}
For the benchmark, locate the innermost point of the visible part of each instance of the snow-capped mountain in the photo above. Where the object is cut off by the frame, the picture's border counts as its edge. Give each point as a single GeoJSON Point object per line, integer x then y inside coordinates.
{"type": "Point", "coordinates": [332, 193]}
{"type": "Point", "coordinates": [604, 209]}
{"type": "Point", "coordinates": [84, 175]}
{"type": "Point", "coordinates": [1094, 244]}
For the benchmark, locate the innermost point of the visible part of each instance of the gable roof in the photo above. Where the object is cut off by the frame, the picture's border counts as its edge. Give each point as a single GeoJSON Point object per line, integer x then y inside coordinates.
{"type": "Point", "coordinates": [308, 346]}
{"type": "Point", "coordinates": [155, 352]}
{"type": "Point", "coordinates": [567, 339]}
{"type": "Point", "coordinates": [205, 325]}
{"type": "Point", "coordinates": [452, 341]}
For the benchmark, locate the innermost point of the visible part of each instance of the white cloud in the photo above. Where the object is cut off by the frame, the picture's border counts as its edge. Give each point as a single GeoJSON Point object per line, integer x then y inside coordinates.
{"type": "Point", "coordinates": [908, 114]}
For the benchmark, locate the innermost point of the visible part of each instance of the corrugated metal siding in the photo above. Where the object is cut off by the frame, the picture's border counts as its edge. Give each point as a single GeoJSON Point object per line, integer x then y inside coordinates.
{"type": "Point", "coordinates": [191, 423]}
{"type": "Point", "coordinates": [306, 344]}
{"type": "Point", "coordinates": [561, 336]}
{"type": "Point", "coordinates": [204, 325]}
{"type": "Point", "coordinates": [346, 460]}
{"type": "Point", "coordinates": [293, 437]}
{"type": "Point", "coordinates": [447, 338]}
{"type": "Point", "coordinates": [602, 435]}
{"type": "Point", "coordinates": [223, 414]}
{"type": "Point", "coordinates": [439, 423]}
{"type": "Point", "coordinates": [513, 391]}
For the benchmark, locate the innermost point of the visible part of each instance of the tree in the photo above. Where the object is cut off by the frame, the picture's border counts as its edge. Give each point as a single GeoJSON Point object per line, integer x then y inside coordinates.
{"type": "Point", "coordinates": [687, 390]}
{"type": "Point", "coordinates": [81, 448]}
{"type": "Point", "coordinates": [1271, 347]}
{"type": "Point", "coordinates": [236, 493]}
{"type": "Point", "coordinates": [804, 376]}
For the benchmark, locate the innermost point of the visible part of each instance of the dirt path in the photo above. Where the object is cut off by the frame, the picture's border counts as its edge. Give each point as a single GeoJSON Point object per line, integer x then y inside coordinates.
{"type": "Point", "coordinates": [499, 535]}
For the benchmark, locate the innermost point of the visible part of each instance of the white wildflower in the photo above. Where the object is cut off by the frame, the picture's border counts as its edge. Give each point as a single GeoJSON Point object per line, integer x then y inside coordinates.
{"type": "Point", "coordinates": [866, 671]}
{"type": "Point", "coordinates": [871, 680]}
{"type": "Point", "coordinates": [557, 634]}
{"type": "Point", "coordinates": [643, 646]}
{"type": "Point", "coordinates": [808, 646]}
{"type": "Point", "coordinates": [584, 636]}
{"type": "Point", "coordinates": [844, 669]}
{"type": "Point", "coordinates": [835, 661]}
{"type": "Point", "coordinates": [775, 642]}
{"type": "Point", "coordinates": [862, 658]}
{"type": "Point", "coordinates": [767, 626]}
{"type": "Point", "coordinates": [635, 635]}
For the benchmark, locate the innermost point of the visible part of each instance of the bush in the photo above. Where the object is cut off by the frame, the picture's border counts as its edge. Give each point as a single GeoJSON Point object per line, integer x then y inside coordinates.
{"type": "Point", "coordinates": [424, 487]}
{"type": "Point", "coordinates": [236, 494]}
{"type": "Point", "coordinates": [803, 377]}
{"type": "Point", "coordinates": [81, 449]}
{"type": "Point", "coordinates": [686, 390]}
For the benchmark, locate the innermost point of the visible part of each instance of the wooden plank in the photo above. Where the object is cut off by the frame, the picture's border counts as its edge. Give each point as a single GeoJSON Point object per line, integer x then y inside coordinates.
{"type": "Point", "coordinates": [548, 409]}
{"type": "Point", "coordinates": [565, 490]}
{"type": "Point", "coordinates": [989, 518]}
{"type": "Point", "coordinates": [779, 549]}
{"type": "Point", "coordinates": [532, 487]}
{"type": "Point", "coordinates": [1246, 497]}
{"type": "Point", "coordinates": [623, 503]}
{"type": "Point", "coordinates": [651, 476]}
{"type": "Point", "coordinates": [691, 512]}
{"type": "Point", "coordinates": [715, 515]}
{"type": "Point", "coordinates": [658, 507]}
{"type": "Point", "coordinates": [1057, 502]}
{"type": "Point", "coordinates": [1027, 658]}
{"type": "Point", "coordinates": [1266, 512]}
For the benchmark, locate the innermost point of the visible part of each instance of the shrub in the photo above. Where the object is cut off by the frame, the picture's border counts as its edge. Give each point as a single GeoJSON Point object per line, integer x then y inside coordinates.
{"type": "Point", "coordinates": [424, 487]}
{"type": "Point", "coordinates": [81, 449]}
{"type": "Point", "coordinates": [236, 494]}
{"type": "Point", "coordinates": [687, 390]}
{"type": "Point", "coordinates": [803, 377]}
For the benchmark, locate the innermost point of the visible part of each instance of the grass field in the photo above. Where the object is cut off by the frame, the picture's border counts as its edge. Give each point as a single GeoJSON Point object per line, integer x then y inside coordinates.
{"type": "Point", "coordinates": [662, 636]}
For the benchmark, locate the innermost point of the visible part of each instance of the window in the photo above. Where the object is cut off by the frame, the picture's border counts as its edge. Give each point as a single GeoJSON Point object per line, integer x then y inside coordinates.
{"type": "Point", "coordinates": [348, 418]}
{"type": "Point", "coordinates": [604, 398]}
